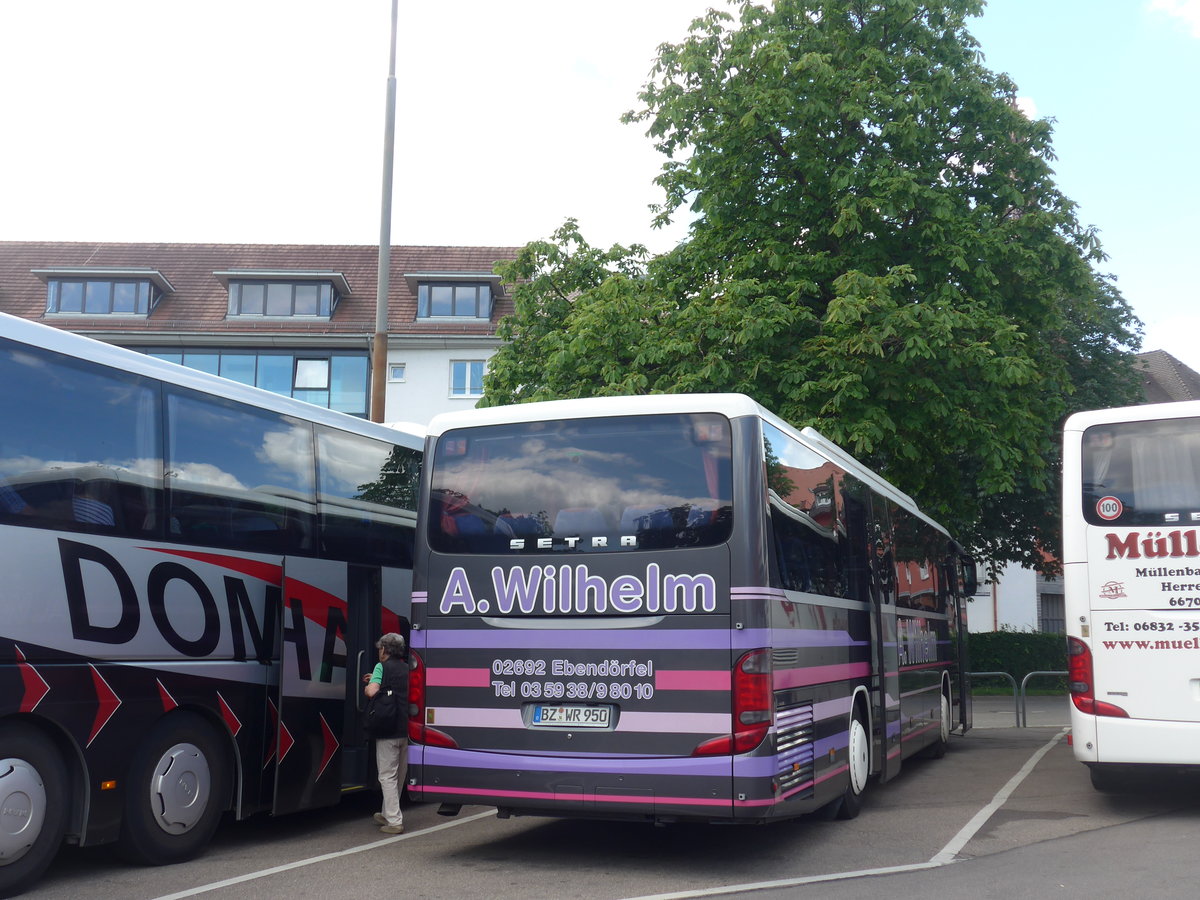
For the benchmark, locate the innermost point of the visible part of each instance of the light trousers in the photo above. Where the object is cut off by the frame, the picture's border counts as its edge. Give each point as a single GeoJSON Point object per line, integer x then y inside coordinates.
{"type": "Point", "coordinates": [391, 759]}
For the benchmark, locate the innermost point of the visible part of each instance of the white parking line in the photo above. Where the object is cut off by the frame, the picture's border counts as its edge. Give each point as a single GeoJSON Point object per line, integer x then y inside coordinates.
{"type": "Point", "coordinates": [945, 856]}
{"type": "Point", "coordinates": [300, 863]}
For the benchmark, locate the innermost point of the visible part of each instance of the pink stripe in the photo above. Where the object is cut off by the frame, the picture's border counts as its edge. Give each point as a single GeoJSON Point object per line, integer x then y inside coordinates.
{"type": "Point", "coordinates": [920, 731]}
{"type": "Point", "coordinates": [789, 678]}
{"type": "Point", "coordinates": [459, 677]}
{"type": "Point", "coordinates": [692, 680]}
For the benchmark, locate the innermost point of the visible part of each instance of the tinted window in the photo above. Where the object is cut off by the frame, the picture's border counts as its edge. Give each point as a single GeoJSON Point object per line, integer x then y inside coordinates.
{"type": "Point", "coordinates": [586, 484]}
{"type": "Point", "coordinates": [368, 498]}
{"type": "Point", "coordinates": [809, 536]}
{"type": "Point", "coordinates": [1142, 473]}
{"type": "Point", "coordinates": [238, 476]}
{"type": "Point", "coordinates": [79, 448]}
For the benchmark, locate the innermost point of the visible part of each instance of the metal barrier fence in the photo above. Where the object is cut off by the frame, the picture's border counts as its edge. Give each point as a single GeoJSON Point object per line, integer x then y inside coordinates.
{"type": "Point", "coordinates": [1013, 681]}
{"type": "Point", "coordinates": [1019, 713]}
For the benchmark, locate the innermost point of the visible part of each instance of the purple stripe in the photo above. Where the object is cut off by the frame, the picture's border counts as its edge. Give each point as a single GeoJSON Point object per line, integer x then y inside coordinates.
{"type": "Point", "coordinates": [581, 639]}
{"type": "Point", "coordinates": [790, 678]}
{"type": "Point", "coordinates": [635, 639]}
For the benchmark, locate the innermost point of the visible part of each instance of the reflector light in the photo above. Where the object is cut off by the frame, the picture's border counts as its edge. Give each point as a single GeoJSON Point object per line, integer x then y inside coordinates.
{"type": "Point", "coordinates": [418, 731]}
{"type": "Point", "coordinates": [753, 707]}
{"type": "Point", "coordinates": [1080, 676]}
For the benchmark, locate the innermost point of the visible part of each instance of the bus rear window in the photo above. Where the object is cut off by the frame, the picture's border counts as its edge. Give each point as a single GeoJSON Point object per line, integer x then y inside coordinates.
{"type": "Point", "coordinates": [1142, 473]}
{"type": "Point", "coordinates": [592, 485]}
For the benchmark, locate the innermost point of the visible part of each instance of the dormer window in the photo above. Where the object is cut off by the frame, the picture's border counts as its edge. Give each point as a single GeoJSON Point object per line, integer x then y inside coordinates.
{"type": "Point", "coordinates": [454, 295]}
{"type": "Point", "coordinates": [103, 292]}
{"type": "Point", "coordinates": [284, 295]}
{"type": "Point", "coordinates": [473, 301]}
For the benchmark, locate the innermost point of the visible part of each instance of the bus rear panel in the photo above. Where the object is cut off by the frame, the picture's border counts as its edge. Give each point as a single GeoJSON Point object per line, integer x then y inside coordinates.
{"type": "Point", "coordinates": [1131, 530]}
{"type": "Point", "coordinates": [608, 623]}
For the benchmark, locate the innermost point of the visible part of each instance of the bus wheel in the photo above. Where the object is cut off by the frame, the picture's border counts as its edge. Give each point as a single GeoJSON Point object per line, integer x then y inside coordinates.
{"type": "Point", "coordinates": [33, 806]}
{"type": "Point", "coordinates": [937, 749]}
{"type": "Point", "coordinates": [849, 804]}
{"type": "Point", "coordinates": [175, 793]}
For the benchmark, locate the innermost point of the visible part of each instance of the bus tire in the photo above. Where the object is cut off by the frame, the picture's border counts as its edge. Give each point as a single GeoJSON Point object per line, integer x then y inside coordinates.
{"type": "Point", "coordinates": [937, 749]}
{"type": "Point", "coordinates": [34, 796]}
{"type": "Point", "coordinates": [175, 793]}
{"type": "Point", "coordinates": [858, 752]}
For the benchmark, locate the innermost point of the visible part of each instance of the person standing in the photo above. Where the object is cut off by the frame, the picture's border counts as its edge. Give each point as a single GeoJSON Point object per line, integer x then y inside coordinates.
{"type": "Point", "coordinates": [391, 752]}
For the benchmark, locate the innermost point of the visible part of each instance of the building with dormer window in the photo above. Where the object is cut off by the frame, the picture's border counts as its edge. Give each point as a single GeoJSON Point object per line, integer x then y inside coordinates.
{"type": "Point", "coordinates": [294, 319]}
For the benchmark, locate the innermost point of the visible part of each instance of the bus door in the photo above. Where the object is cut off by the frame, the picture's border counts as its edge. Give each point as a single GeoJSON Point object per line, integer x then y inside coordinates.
{"type": "Point", "coordinates": [311, 698]}
{"type": "Point", "coordinates": [363, 628]}
{"type": "Point", "coordinates": [885, 657]}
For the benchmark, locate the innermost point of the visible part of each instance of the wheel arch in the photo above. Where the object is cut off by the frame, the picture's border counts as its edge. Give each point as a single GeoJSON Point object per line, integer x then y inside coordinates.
{"type": "Point", "coordinates": [71, 754]}
{"type": "Point", "coordinates": [860, 702]}
{"type": "Point", "coordinates": [226, 741]}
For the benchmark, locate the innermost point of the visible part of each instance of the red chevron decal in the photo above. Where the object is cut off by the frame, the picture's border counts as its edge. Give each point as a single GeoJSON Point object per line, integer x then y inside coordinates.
{"type": "Point", "coordinates": [168, 702]}
{"type": "Point", "coordinates": [107, 705]}
{"type": "Point", "coordinates": [285, 740]}
{"type": "Point", "coordinates": [331, 745]}
{"type": "Point", "coordinates": [234, 723]}
{"type": "Point", "coordinates": [35, 685]}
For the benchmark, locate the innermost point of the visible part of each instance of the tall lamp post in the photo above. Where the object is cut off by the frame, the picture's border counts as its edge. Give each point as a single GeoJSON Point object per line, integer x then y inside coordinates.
{"type": "Point", "coordinates": [379, 346]}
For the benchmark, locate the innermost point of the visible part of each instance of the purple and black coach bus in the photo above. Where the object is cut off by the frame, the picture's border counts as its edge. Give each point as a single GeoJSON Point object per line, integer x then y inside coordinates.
{"type": "Point", "coordinates": [669, 608]}
{"type": "Point", "coordinates": [194, 575]}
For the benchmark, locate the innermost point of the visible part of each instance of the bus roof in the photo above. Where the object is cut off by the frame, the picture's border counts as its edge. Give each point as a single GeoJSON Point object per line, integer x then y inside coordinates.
{"type": "Point", "coordinates": [54, 339]}
{"type": "Point", "coordinates": [729, 405]}
{"type": "Point", "coordinates": [1146, 412]}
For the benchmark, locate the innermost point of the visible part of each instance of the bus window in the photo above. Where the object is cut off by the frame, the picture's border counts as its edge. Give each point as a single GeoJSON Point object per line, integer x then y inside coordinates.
{"type": "Point", "coordinates": [238, 477]}
{"type": "Point", "coordinates": [368, 490]}
{"type": "Point", "coordinates": [85, 455]}
{"type": "Point", "coordinates": [1141, 472]}
{"type": "Point", "coordinates": [655, 481]}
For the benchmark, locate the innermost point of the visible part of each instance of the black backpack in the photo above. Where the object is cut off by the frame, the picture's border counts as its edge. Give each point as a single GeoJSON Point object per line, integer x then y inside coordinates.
{"type": "Point", "coordinates": [387, 711]}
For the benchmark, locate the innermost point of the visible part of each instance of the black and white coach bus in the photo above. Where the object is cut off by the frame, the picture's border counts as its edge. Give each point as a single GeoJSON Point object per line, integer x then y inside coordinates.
{"type": "Point", "coordinates": [192, 575]}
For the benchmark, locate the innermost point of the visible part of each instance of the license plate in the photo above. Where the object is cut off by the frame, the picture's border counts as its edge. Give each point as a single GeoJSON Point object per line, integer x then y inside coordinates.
{"type": "Point", "coordinates": [572, 716]}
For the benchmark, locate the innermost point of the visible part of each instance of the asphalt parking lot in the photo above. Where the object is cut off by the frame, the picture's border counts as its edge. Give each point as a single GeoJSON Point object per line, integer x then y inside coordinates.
{"type": "Point", "coordinates": [1008, 813]}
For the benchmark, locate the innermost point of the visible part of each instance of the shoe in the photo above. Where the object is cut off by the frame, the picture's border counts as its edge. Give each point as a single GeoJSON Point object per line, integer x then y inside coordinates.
{"type": "Point", "coordinates": [379, 819]}
{"type": "Point", "coordinates": [392, 829]}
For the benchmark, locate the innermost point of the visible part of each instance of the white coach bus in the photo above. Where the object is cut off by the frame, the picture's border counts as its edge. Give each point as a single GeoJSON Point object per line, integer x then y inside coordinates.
{"type": "Point", "coordinates": [1131, 559]}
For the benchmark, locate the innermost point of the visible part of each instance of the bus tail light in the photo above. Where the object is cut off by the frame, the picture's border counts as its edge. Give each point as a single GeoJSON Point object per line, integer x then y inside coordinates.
{"type": "Point", "coordinates": [1081, 680]}
{"type": "Point", "coordinates": [753, 707]}
{"type": "Point", "coordinates": [418, 731]}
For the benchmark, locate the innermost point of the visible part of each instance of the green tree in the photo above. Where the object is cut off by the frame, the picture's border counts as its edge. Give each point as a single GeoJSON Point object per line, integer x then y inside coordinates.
{"type": "Point", "coordinates": [878, 249]}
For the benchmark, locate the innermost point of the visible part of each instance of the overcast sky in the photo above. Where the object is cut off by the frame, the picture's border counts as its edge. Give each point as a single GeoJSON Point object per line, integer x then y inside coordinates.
{"type": "Point", "coordinates": [261, 121]}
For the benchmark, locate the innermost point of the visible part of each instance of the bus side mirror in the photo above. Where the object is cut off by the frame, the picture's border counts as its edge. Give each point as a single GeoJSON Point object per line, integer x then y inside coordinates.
{"type": "Point", "coordinates": [969, 576]}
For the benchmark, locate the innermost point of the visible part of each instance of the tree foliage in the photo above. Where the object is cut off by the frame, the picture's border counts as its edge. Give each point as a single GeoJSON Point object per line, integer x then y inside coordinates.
{"type": "Point", "coordinates": [878, 249]}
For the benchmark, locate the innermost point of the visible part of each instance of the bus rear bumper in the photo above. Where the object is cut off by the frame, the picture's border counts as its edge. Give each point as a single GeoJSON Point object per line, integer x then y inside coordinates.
{"type": "Point", "coordinates": [643, 789]}
{"type": "Point", "coordinates": [1113, 740]}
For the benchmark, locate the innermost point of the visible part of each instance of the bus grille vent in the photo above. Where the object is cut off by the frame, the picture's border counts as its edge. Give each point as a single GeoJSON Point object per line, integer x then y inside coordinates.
{"type": "Point", "coordinates": [794, 745]}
